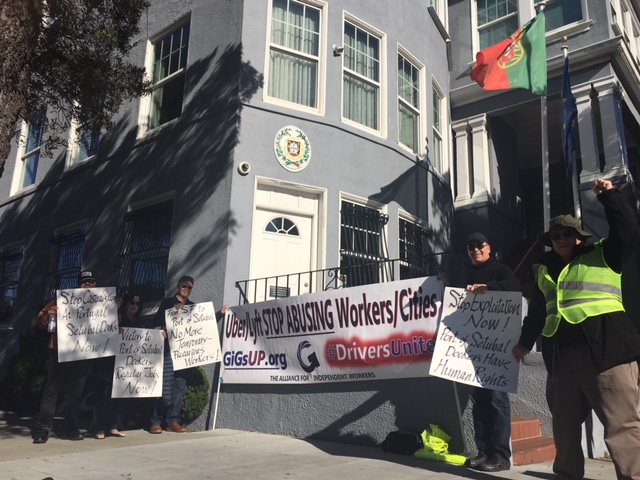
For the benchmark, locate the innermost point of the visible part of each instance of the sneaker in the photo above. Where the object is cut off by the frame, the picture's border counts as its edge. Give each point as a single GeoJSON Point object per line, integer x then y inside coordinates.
{"type": "Point", "coordinates": [74, 434]}
{"type": "Point", "coordinates": [41, 436]}
{"type": "Point", "coordinates": [477, 460]}
{"type": "Point", "coordinates": [495, 463]}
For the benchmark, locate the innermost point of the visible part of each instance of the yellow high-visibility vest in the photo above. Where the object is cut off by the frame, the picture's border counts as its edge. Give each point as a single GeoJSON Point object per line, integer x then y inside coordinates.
{"type": "Point", "coordinates": [586, 287]}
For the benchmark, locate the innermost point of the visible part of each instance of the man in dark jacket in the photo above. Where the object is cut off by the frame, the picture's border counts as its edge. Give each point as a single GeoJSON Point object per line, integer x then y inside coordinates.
{"type": "Point", "coordinates": [491, 409]}
{"type": "Point", "coordinates": [589, 345]}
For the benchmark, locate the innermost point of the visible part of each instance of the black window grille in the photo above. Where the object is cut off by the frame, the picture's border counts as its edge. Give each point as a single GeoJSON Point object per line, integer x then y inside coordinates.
{"type": "Point", "coordinates": [415, 257]}
{"type": "Point", "coordinates": [65, 265]}
{"type": "Point", "coordinates": [10, 267]}
{"type": "Point", "coordinates": [144, 257]}
{"type": "Point", "coordinates": [363, 246]}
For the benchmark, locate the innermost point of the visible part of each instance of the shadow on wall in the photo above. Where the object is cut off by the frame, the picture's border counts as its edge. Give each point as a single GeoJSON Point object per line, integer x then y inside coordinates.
{"type": "Point", "coordinates": [191, 156]}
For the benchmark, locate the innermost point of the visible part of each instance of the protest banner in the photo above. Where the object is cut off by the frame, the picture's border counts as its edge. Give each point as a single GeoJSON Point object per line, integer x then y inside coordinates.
{"type": "Point", "coordinates": [87, 323]}
{"type": "Point", "coordinates": [193, 335]}
{"type": "Point", "coordinates": [372, 332]}
{"type": "Point", "coordinates": [475, 338]}
{"type": "Point", "coordinates": [139, 363]}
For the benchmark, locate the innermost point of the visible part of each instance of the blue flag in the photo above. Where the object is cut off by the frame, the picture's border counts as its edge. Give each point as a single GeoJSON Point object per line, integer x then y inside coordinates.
{"type": "Point", "coordinates": [569, 114]}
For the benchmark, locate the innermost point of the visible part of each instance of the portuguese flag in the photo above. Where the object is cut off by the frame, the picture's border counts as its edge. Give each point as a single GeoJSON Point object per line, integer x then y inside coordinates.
{"type": "Point", "coordinates": [520, 61]}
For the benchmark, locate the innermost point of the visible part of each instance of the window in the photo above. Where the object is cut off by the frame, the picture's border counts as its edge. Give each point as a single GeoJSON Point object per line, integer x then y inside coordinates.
{"type": "Point", "coordinates": [439, 125]}
{"type": "Point", "coordinates": [27, 168]}
{"type": "Point", "coordinates": [294, 53]}
{"type": "Point", "coordinates": [497, 20]}
{"type": "Point", "coordinates": [562, 12]}
{"type": "Point", "coordinates": [10, 266]}
{"type": "Point", "coordinates": [168, 76]}
{"type": "Point", "coordinates": [626, 24]}
{"type": "Point", "coordinates": [67, 256]}
{"type": "Point", "coordinates": [282, 226]}
{"type": "Point", "coordinates": [415, 257]}
{"type": "Point", "coordinates": [363, 247]}
{"type": "Point", "coordinates": [144, 257]}
{"type": "Point", "coordinates": [362, 76]}
{"type": "Point", "coordinates": [84, 148]}
{"type": "Point", "coordinates": [409, 104]}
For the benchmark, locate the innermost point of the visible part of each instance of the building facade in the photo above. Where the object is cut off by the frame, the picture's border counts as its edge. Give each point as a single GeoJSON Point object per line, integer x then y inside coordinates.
{"type": "Point", "coordinates": [281, 137]}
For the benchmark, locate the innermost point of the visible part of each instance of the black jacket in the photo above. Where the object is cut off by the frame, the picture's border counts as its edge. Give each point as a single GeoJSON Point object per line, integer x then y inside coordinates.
{"type": "Point", "coordinates": [614, 340]}
{"type": "Point", "coordinates": [495, 275]}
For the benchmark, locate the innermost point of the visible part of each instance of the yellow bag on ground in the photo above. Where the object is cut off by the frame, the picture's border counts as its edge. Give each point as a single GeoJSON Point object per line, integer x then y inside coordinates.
{"type": "Point", "coordinates": [436, 447]}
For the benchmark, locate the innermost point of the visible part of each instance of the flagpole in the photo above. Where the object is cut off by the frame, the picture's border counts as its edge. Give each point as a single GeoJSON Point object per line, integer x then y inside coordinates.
{"type": "Point", "coordinates": [546, 196]}
{"type": "Point", "coordinates": [577, 210]}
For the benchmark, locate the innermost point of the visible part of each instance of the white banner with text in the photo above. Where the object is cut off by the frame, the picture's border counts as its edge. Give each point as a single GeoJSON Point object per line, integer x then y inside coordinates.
{"type": "Point", "coordinates": [475, 339]}
{"type": "Point", "coordinates": [87, 323]}
{"type": "Point", "coordinates": [372, 332]}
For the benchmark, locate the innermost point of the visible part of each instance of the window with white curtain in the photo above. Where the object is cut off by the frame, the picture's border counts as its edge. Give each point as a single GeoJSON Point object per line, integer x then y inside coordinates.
{"type": "Point", "coordinates": [496, 21]}
{"type": "Point", "coordinates": [294, 53]}
{"type": "Point", "coordinates": [409, 104]}
{"type": "Point", "coordinates": [362, 76]}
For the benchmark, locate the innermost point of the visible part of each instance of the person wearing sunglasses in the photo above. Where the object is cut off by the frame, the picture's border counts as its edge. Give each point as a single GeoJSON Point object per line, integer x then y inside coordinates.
{"type": "Point", "coordinates": [589, 344]}
{"type": "Point", "coordinates": [68, 377]}
{"type": "Point", "coordinates": [166, 409]}
{"type": "Point", "coordinates": [491, 410]}
{"type": "Point", "coordinates": [109, 418]}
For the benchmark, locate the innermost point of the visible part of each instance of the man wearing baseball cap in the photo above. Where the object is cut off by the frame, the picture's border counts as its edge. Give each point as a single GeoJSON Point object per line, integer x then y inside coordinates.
{"type": "Point", "coordinates": [66, 376]}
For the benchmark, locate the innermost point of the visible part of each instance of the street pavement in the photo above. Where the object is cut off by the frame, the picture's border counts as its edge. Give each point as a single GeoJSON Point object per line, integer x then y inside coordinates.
{"type": "Point", "coordinates": [227, 454]}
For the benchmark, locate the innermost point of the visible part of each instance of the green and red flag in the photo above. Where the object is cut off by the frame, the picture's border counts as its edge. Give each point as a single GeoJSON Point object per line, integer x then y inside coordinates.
{"type": "Point", "coordinates": [520, 61]}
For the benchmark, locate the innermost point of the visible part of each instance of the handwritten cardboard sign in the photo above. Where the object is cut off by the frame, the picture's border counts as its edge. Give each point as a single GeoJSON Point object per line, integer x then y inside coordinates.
{"type": "Point", "coordinates": [475, 337]}
{"type": "Point", "coordinates": [139, 363]}
{"type": "Point", "coordinates": [87, 323]}
{"type": "Point", "coordinates": [193, 335]}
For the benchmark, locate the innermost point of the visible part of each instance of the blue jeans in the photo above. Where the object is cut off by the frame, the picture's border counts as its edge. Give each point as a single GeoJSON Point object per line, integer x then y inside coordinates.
{"type": "Point", "coordinates": [492, 421]}
{"type": "Point", "coordinates": [166, 409]}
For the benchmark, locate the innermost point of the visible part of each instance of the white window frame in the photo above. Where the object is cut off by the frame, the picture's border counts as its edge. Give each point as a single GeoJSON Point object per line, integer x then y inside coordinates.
{"type": "Point", "coordinates": [145, 102]}
{"type": "Point", "coordinates": [422, 104]}
{"type": "Point", "coordinates": [568, 26]}
{"type": "Point", "coordinates": [382, 85]}
{"type": "Point", "coordinates": [74, 150]}
{"type": "Point", "coordinates": [442, 10]}
{"type": "Point", "coordinates": [321, 59]}
{"type": "Point", "coordinates": [525, 13]}
{"type": "Point", "coordinates": [21, 157]}
{"type": "Point", "coordinates": [407, 217]}
{"type": "Point", "coordinates": [443, 133]}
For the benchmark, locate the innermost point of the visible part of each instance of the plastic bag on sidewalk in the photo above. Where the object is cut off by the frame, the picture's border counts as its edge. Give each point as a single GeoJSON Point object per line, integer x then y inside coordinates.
{"type": "Point", "coordinates": [436, 447]}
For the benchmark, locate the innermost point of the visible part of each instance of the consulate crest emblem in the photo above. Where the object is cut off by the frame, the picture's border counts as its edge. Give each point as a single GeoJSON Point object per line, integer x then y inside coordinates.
{"type": "Point", "coordinates": [292, 148]}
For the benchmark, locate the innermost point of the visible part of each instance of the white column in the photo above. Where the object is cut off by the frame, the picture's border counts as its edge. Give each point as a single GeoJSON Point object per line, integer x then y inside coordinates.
{"type": "Point", "coordinates": [462, 162]}
{"type": "Point", "coordinates": [480, 158]}
{"type": "Point", "coordinates": [587, 131]}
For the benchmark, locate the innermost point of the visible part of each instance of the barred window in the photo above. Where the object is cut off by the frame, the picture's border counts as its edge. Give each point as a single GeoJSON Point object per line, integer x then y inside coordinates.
{"type": "Point", "coordinates": [144, 257]}
{"type": "Point", "coordinates": [363, 247]}
{"type": "Point", "coordinates": [67, 255]}
{"type": "Point", "coordinates": [10, 266]}
{"type": "Point", "coordinates": [415, 258]}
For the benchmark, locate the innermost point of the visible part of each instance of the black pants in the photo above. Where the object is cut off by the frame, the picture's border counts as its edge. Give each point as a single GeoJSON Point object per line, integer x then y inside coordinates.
{"type": "Point", "coordinates": [68, 377]}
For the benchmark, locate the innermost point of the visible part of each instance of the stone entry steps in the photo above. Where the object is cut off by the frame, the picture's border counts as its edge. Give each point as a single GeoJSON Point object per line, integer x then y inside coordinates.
{"type": "Point", "coordinates": [528, 444]}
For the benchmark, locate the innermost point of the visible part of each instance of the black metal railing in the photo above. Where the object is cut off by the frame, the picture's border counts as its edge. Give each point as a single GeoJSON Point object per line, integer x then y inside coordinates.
{"type": "Point", "coordinates": [281, 286]}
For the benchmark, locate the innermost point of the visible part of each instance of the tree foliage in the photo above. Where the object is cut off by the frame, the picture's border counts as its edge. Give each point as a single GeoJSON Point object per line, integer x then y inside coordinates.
{"type": "Point", "coordinates": [68, 58]}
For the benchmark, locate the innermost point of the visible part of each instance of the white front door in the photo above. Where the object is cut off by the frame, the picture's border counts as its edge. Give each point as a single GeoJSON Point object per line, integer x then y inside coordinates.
{"type": "Point", "coordinates": [284, 245]}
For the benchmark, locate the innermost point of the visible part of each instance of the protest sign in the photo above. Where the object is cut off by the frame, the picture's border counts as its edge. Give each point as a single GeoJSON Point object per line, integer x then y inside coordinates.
{"type": "Point", "coordinates": [372, 332]}
{"type": "Point", "coordinates": [139, 363]}
{"type": "Point", "coordinates": [87, 323]}
{"type": "Point", "coordinates": [193, 335]}
{"type": "Point", "coordinates": [475, 338]}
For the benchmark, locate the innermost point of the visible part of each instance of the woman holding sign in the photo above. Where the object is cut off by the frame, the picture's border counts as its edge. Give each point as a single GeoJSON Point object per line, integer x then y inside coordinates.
{"type": "Point", "coordinates": [167, 408]}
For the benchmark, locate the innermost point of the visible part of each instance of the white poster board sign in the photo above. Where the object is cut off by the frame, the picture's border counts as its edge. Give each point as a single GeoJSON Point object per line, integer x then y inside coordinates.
{"type": "Point", "coordinates": [139, 363]}
{"type": "Point", "coordinates": [475, 338]}
{"type": "Point", "coordinates": [193, 335]}
{"type": "Point", "coordinates": [87, 323]}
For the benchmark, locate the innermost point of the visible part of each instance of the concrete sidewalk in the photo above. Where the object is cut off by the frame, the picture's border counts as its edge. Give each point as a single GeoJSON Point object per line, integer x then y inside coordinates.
{"type": "Point", "coordinates": [226, 454]}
